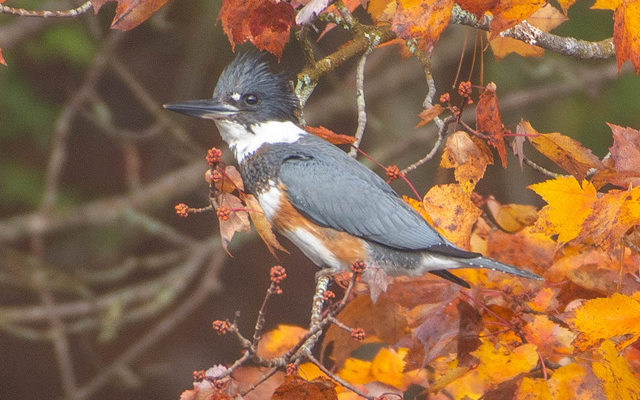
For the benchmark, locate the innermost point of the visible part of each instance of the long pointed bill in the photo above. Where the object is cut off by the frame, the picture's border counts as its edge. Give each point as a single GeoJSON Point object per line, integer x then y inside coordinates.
{"type": "Point", "coordinates": [208, 109]}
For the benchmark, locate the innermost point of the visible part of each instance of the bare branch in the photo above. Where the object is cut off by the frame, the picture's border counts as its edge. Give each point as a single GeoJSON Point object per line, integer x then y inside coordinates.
{"type": "Point", "coordinates": [362, 111]}
{"type": "Point", "coordinates": [74, 12]}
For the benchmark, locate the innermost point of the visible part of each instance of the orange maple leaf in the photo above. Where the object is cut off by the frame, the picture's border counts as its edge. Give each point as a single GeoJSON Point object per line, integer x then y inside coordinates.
{"type": "Point", "coordinates": [618, 381]}
{"type": "Point", "coordinates": [266, 24]}
{"type": "Point", "coordinates": [419, 20]}
{"type": "Point", "coordinates": [509, 13]}
{"type": "Point", "coordinates": [130, 13]}
{"type": "Point", "coordinates": [330, 136]}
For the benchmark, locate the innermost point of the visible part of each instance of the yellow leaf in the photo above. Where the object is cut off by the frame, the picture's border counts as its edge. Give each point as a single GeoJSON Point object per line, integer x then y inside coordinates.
{"type": "Point", "coordinates": [278, 341]}
{"type": "Point", "coordinates": [497, 364]}
{"type": "Point", "coordinates": [534, 389]}
{"type": "Point", "coordinates": [512, 217]}
{"type": "Point", "coordinates": [309, 371]}
{"type": "Point", "coordinates": [453, 212]}
{"type": "Point", "coordinates": [356, 371]}
{"type": "Point", "coordinates": [569, 204]}
{"type": "Point", "coordinates": [388, 365]}
{"type": "Point", "coordinates": [617, 379]}
{"type": "Point", "coordinates": [566, 152]}
{"type": "Point", "coordinates": [606, 318]}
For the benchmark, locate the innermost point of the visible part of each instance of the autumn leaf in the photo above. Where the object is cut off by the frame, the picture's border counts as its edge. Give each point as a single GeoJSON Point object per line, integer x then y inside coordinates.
{"type": "Point", "coordinates": [452, 211]}
{"type": "Point", "coordinates": [278, 341]}
{"type": "Point", "coordinates": [545, 19]}
{"type": "Point", "coordinates": [2, 61]}
{"type": "Point", "coordinates": [617, 379]}
{"type": "Point", "coordinates": [569, 204]}
{"type": "Point", "coordinates": [497, 364]}
{"type": "Point", "coordinates": [236, 220]}
{"type": "Point", "coordinates": [469, 157]}
{"type": "Point", "coordinates": [329, 135]}
{"type": "Point", "coordinates": [477, 8]}
{"type": "Point", "coordinates": [553, 341]}
{"type": "Point", "coordinates": [625, 151]}
{"type": "Point", "coordinates": [388, 366]}
{"type": "Point", "coordinates": [488, 120]}
{"type": "Point", "coordinates": [512, 217]}
{"type": "Point", "coordinates": [617, 316]}
{"type": "Point", "coordinates": [361, 312]}
{"type": "Point", "coordinates": [266, 23]}
{"type": "Point", "coordinates": [419, 20]}
{"type": "Point", "coordinates": [509, 13]}
{"type": "Point", "coordinates": [614, 213]}
{"type": "Point", "coordinates": [262, 225]}
{"type": "Point", "coordinates": [566, 152]}
{"type": "Point", "coordinates": [295, 388]}
{"type": "Point", "coordinates": [565, 4]}
{"type": "Point", "coordinates": [427, 115]}
{"type": "Point", "coordinates": [626, 33]}
{"type": "Point", "coordinates": [565, 384]}
{"type": "Point", "coordinates": [130, 13]}
{"type": "Point", "coordinates": [545, 300]}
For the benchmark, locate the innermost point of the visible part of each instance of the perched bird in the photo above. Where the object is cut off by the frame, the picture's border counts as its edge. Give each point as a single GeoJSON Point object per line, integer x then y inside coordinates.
{"type": "Point", "coordinates": [332, 207]}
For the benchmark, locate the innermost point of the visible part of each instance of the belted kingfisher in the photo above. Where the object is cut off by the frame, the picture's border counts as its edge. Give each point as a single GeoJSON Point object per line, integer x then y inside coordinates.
{"type": "Point", "coordinates": [332, 207]}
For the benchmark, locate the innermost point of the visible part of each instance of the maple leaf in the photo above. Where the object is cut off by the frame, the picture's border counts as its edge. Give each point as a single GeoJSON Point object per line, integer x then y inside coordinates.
{"type": "Point", "coordinates": [566, 152]}
{"type": "Point", "coordinates": [278, 341]}
{"type": "Point", "coordinates": [565, 4]}
{"type": "Point", "coordinates": [2, 61]}
{"type": "Point", "coordinates": [569, 204]}
{"type": "Point", "coordinates": [452, 211]}
{"type": "Point", "coordinates": [477, 8]}
{"type": "Point", "coordinates": [488, 120]}
{"type": "Point", "coordinates": [419, 20]}
{"type": "Point", "coordinates": [509, 13]}
{"type": "Point", "coordinates": [553, 341]}
{"type": "Point", "coordinates": [617, 379]}
{"type": "Point", "coordinates": [387, 367]}
{"type": "Point", "coordinates": [330, 136]}
{"type": "Point", "coordinates": [469, 156]}
{"type": "Point", "coordinates": [266, 23]}
{"type": "Point", "coordinates": [497, 364]}
{"type": "Point", "coordinates": [130, 13]}
{"type": "Point", "coordinates": [564, 384]}
{"type": "Point", "coordinates": [545, 19]}
{"type": "Point", "coordinates": [626, 33]}
{"type": "Point", "coordinates": [614, 213]}
{"type": "Point", "coordinates": [606, 318]}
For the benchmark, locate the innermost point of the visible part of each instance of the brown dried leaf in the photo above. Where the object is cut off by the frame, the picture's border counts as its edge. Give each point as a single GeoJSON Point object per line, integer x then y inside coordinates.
{"type": "Point", "coordinates": [469, 156]}
{"type": "Point", "coordinates": [296, 388]}
{"type": "Point", "coordinates": [238, 220]}
{"type": "Point", "coordinates": [626, 33]}
{"type": "Point", "coordinates": [130, 13]}
{"type": "Point", "coordinates": [488, 120]}
{"type": "Point", "coordinates": [262, 225]}
{"type": "Point", "coordinates": [429, 114]}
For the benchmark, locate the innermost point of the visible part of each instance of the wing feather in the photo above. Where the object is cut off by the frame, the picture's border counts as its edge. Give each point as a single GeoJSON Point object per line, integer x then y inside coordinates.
{"type": "Point", "coordinates": [335, 190]}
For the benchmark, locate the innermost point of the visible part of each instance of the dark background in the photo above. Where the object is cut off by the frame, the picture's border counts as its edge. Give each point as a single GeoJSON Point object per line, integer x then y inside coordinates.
{"type": "Point", "coordinates": [104, 291]}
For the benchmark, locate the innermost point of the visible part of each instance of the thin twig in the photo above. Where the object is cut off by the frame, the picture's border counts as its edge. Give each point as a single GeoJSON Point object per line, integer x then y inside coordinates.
{"type": "Point", "coordinates": [74, 12]}
{"type": "Point", "coordinates": [539, 168]}
{"type": "Point", "coordinates": [362, 111]}
{"type": "Point", "coordinates": [434, 149]}
{"type": "Point", "coordinates": [336, 378]}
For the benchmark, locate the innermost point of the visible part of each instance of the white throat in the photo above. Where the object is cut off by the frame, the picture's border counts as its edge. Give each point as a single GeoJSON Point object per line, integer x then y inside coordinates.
{"type": "Point", "coordinates": [244, 142]}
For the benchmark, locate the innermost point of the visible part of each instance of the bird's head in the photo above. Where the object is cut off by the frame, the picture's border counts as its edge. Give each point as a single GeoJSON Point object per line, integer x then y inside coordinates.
{"type": "Point", "coordinates": [247, 95]}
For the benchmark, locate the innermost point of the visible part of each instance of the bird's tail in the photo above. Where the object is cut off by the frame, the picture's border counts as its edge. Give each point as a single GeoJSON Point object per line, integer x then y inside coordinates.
{"type": "Point", "coordinates": [483, 262]}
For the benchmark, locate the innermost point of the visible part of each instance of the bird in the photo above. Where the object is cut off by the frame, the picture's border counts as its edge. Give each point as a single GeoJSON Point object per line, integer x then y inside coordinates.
{"type": "Point", "coordinates": [332, 207]}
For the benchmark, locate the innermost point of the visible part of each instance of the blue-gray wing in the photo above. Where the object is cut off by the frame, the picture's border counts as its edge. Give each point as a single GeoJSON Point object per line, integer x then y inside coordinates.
{"type": "Point", "coordinates": [334, 190]}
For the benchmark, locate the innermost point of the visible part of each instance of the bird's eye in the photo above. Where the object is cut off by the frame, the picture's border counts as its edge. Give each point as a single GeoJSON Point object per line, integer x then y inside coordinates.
{"type": "Point", "coordinates": [250, 99]}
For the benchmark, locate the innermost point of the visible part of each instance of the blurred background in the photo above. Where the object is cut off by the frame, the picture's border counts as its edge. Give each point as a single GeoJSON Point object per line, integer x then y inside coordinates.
{"type": "Point", "coordinates": [104, 291]}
